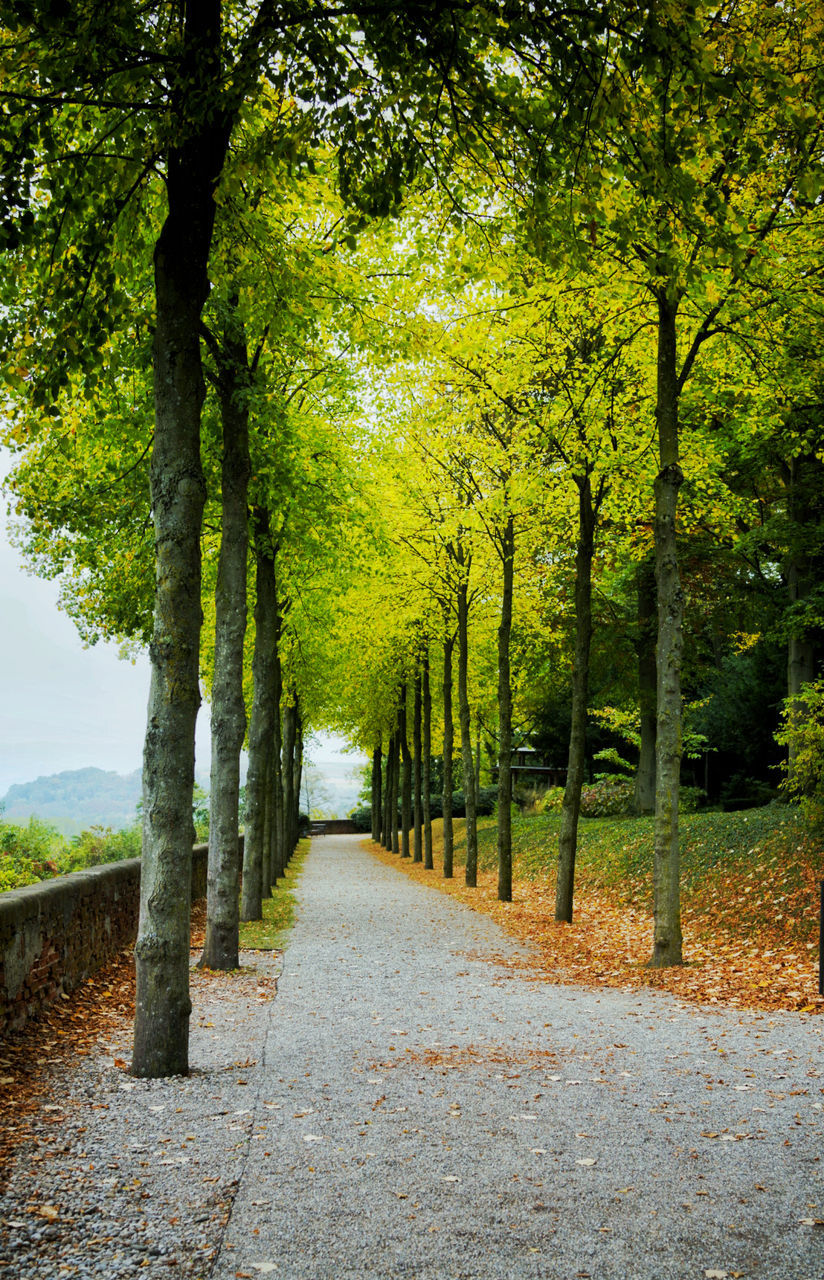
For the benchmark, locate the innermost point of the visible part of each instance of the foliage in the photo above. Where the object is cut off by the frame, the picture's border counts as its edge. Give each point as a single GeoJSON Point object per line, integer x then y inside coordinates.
{"type": "Point", "coordinates": [803, 728]}
{"type": "Point", "coordinates": [608, 797]}
{"type": "Point", "coordinates": [38, 851]}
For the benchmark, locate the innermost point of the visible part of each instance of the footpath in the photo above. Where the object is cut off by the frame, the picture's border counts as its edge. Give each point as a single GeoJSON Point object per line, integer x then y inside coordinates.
{"type": "Point", "coordinates": [406, 1098]}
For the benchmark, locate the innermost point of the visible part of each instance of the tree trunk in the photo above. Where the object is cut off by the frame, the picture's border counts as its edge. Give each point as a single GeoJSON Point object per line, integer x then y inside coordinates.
{"type": "Point", "coordinates": [278, 831]}
{"type": "Point", "coordinates": [466, 737]}
{"type": "Point", "coordinates": [376, 794]}
{"type": "Point", "coordinates": [448, 748]}
{"type": "Point", "coordinates": [406, 775]}
{"type": "Point", "coordinates": [220, 950]}
{"type": "Point", "coordinates": [396, 785]}
{"type": "Point", "coordinates": [571, 807]}
{"type": "Point", "coordinates": [667, 948]}
{"type": "Point", "coordinates": [298, 774]}
{"type": "Point", "coordinates": [644, 796]}
{"type": "Point", "coordinates": [266, 865]}
{"type": "Point", "coordinates": [386, 834]}
{"type": "Point", "coordinates": [289, 737]}
{"type": "Point", "coordinates": [505, 718]}
{"type": "Point", "coordinates": [163, 1006]}
{"type": "Point", "coordinates": [261, 727]}
{"type": "Point", "coordinates": [417, 748]}
{"type": "Point", "coordinates": [426, 780]}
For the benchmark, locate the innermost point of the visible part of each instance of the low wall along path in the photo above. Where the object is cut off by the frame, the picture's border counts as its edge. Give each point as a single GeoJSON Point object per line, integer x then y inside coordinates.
{"type": "Point", "coordinates": [56, 933]}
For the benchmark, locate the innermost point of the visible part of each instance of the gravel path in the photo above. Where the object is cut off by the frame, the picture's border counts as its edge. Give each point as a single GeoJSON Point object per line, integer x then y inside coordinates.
{"type": "Point", "coordinates": [411, 1106]}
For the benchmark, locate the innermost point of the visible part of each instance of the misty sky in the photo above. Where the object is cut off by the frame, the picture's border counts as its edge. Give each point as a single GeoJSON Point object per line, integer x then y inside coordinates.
{"type": "Point", "coordinates": [63, 706]}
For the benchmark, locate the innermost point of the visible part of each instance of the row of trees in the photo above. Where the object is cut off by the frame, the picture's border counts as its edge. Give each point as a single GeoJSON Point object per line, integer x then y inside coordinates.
{"type": "Point", "coordinates": [469, 329]}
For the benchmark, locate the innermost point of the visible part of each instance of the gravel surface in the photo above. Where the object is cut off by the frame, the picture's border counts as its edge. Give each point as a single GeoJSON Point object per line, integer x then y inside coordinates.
{"type": "Point", "coordinates": [417, 1103]}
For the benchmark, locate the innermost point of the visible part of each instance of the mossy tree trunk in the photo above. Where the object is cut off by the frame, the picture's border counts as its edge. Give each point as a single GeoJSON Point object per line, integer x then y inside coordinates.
{"type": "Point", "coordinates": [417, 768]}
{"type": "Point", "coordinates": [261, 724]}
{"type": "Point", "coordinates": [426, 779]}
{"type": "Point", "coordinates": [471, 876]}
{"type": "Point", "coordinates": [406, 773]}
{"type": "Point", "coordinates": [571, 807]}
{"type": "Point", "coordinates": [667, 947]}
{"type": "Point", "coordinates": [505, 715]}
{"type": "Point", "coordinates": [376, 794]}
{"type": "Point", "coordinates": [220, 950]}
{"type": "Point", "coordinates": [644, 793]}
{"type": "Point", "coordinates": [181, 257]}
{"type": "Point", "coordinates": [448, 748]}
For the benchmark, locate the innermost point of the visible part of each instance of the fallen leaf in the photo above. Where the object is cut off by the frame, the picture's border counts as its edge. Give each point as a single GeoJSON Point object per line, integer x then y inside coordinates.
{"type": "Point", "coordinates": [587, 1160]}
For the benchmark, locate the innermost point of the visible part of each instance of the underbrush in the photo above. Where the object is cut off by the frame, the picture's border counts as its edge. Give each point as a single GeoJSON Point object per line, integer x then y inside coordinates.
{"type": "Point", "coordinates": [37, 851]}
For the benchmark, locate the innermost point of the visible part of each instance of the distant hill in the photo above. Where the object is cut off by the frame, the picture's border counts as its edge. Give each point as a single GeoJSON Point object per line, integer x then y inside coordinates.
{"type": "Point", "coordinates": [76, 799]}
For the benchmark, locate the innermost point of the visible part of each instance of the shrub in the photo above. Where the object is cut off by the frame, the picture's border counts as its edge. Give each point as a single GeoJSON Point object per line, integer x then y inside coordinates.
{"type": "Point", "coordinates": [98, 845]}
{"type": "Point", "coordinates": [802, 731]}
{"type": "Point", "coordinates": [362, 818]}
{"type": "Point", "coordinates": [31, 853]}
{"type": "Point", "coordinates": [551, 801]}
{"type": "Point", "coordinates": [610, 797]}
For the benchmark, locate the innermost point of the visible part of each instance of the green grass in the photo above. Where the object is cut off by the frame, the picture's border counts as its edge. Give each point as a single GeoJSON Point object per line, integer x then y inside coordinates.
{"type": "Point", "coordinates": [269, 934]}
{"type": "Point", "coordinates": [756, 869]}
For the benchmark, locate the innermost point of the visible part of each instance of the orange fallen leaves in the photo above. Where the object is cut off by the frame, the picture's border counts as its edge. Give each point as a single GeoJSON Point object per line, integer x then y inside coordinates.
{"type": "Point", "coordinates": [608, 944]}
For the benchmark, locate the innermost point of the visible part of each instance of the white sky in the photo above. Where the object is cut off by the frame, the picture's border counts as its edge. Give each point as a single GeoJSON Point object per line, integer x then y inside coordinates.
{"type": "Point", "coordinates": [63, 706]}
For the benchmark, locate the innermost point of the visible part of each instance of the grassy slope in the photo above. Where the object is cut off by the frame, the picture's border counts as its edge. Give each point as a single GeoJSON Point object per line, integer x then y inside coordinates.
{"type": "Point", "coordinates": [756, 871]}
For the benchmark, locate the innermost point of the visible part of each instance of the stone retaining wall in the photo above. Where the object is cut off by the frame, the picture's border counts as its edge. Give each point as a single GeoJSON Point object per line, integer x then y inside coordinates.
{"type": "Point", "coordinates": [56, 933]}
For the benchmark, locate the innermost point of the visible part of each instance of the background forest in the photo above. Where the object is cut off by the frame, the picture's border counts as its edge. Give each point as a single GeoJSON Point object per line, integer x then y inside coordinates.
{"type": "Point", "coordinates": [490, 339]}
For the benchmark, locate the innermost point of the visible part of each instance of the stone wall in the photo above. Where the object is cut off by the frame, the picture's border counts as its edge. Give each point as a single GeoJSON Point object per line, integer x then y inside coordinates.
{"type": "Point", "coordinates": [55, 933]}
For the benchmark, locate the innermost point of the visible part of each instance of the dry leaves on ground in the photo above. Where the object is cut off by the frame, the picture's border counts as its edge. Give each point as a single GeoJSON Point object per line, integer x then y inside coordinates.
{"type": "Point", "coordinates": [609, 945]}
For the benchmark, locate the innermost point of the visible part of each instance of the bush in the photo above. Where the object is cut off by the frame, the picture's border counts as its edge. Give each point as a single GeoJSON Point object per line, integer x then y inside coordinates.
{"type": "Point", "coordinates": [28, 854]}
{"type": "Point", "coordinates": [802, 731]}
{"type": "Point", "coordinates": [38, 852]}
{"type": "Point", "coordinates": [362, 818]}
{"type": "Point", "coordinates": [98, 845]}
{"type": "Point", "coordinates": [611, 797]}
{"type": "Point", "coordinates": [551, 801]}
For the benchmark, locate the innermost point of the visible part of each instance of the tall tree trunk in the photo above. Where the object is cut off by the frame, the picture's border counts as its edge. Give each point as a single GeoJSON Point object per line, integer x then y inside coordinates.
{"type": "Point", "coordinates": [298, 774]}
{"type": "Point", "coordinates": [667, 949]}
{"type": "Point", "coordinates": [466, 737]}
{"type": "Point", "coordinates": [644, 795]}
{"type": "Point", "coordinates": [406, 775]}
{"type": "Point", "coordinates": [289, 737]}
{"type": "Point", "coordinates": [181, 257]}
{"type": "Point", "coordinates": [261, 726]}
{"type": "Point", "coordinates": [220, 949]}
{"type": "Point", "coordinates": [426, 780]}
{"type": "Point", "coordinates": [266, 859]}
{"type": "Point", "coordinates": [386, 834]}
{"type": "Point", "coordinates": [396, 786]}
{"type": "Point", "coordinates": [376, 794]}
{"type": "Point", "coordinates": [448, 748]}
{"type": "Point", "coordinates": [571, 808]}
{"type": "Point", "coordinates": [505, 717]}
{"type": "Point", "coordinates": [278, 831]}
{"type": "Point", "coordinates": [417, 748]}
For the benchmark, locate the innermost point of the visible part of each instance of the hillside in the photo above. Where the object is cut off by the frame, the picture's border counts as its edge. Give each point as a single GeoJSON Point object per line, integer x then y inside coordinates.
{"type": "Point", "coordinates": [76, 799]}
